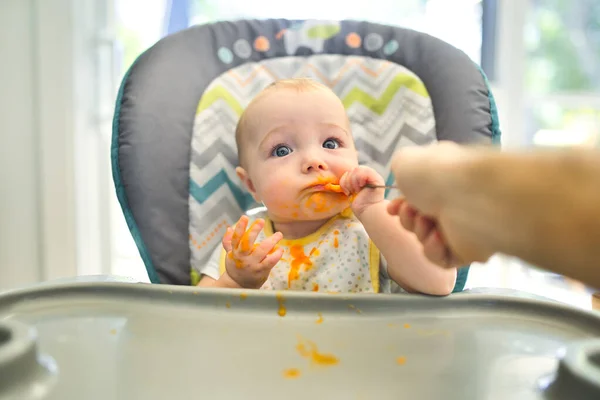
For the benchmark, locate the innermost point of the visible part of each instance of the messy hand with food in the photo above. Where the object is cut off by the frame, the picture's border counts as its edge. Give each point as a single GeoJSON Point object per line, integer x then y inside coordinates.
{"type": "Point", "coordinates": [247, 264]}
{"type": "Point", "coordinates": [353, 183]}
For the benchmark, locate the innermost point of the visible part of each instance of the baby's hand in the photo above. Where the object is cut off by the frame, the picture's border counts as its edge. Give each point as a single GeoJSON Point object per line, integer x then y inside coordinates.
{"type": "Point", "coordinates": [247, 263]}
{"type": "Point", "coordinates": [353, 184]}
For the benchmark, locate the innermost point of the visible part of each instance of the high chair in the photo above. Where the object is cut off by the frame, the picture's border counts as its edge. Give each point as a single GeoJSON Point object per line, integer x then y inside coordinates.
{"type": "Point", "coordinates": [173, 148]}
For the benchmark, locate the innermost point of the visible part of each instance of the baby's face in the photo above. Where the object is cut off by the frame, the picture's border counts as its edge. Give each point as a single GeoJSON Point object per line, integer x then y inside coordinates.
{"type": "Point", "coordinates": [295, 143]}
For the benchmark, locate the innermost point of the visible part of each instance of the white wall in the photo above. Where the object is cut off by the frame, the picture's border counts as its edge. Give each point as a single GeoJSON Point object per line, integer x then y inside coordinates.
{"type": "Point", "coordinates": [37, 218]}
{"type": "Point", "coordinates": [508, 88]}
{"type": "Point", "coordinates": [20, 225]}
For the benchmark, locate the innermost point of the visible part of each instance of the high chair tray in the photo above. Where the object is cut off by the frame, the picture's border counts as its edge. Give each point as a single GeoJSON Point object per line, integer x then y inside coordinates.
{"type": "Point", "coordinates": [139, 341]}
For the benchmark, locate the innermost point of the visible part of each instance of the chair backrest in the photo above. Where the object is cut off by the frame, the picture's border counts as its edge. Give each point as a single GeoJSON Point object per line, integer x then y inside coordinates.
{"type": "Point", "coordinates": [173, 146]}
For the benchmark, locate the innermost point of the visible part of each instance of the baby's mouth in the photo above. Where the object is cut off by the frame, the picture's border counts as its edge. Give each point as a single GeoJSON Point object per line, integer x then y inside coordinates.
{"type": "Point", "coordinates": [320, 187]}
{"type": "Point", "coordinates": [327, 186]}
{"type": "Point", "coordinates": [333, 187]}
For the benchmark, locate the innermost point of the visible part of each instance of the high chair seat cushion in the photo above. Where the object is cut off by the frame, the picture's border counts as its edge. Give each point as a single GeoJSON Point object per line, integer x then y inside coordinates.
{"type": "Point", "coordinates": [173, 172]}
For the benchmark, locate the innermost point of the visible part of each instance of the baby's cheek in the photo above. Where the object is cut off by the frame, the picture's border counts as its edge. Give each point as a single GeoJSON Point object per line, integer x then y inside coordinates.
{"type": "Point", "coordinates": [340, 170]}
{"type": "Point", "coordinates": [278, 195]}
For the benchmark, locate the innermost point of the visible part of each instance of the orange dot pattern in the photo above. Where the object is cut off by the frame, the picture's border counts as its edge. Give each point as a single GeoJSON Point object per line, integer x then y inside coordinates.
{"type": "Point", "coordinates": [208, 238]}
{"type": "Point", "coordinates": [353, 40]}
{"type": "Point", "coordinates": [262, 44]}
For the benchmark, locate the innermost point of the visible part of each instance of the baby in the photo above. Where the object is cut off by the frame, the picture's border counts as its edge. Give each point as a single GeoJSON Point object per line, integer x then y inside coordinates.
{"type": "Point", "coordinates": [322, 230]}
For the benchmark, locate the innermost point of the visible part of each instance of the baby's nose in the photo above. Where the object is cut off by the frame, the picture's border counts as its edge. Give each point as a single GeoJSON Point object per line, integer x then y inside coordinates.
{"type": "Point", "coordinates": [314, 164]}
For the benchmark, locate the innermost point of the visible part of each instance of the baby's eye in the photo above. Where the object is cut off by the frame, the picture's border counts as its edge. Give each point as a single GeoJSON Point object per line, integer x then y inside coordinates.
{"type": "Point", "coordinates": [281, 151]}
{"type": "Point", "coordinates": [331, 144]}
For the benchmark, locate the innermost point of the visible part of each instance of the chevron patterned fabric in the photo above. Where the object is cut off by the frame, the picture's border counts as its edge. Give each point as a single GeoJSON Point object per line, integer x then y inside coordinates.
{"type": "Point", "coordinates": [388, 107]}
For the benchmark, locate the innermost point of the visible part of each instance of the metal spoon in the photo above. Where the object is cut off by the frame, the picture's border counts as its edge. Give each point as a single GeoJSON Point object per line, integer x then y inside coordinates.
{"type": "Point", "coordinates": [371, 186]}
{"type": "Point", "coordinates": [336, 188]}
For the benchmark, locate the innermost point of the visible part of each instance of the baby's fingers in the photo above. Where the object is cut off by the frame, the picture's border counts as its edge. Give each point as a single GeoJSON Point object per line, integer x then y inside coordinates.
{"type": "Point", "coordinates": [227, 239]}
{"type": "Point", "coordinates": [344, 183]}
{"type": "Point", "coordinates": [248, 238]}
{"type": "Point", "coordinates": [355, 180]}
{"type": "Point", "coordinates": [361, 178]}
{"type": "Point", "coordinates": [272, 258]}
{"type": "Point", "coordinates": [238, 231]}
{"type": "Point", "coordinates": [266, 247]}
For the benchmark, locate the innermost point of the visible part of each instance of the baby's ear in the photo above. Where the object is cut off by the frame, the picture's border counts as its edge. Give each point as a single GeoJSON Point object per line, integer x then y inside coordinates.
{"type": "Point", "coordinates": [245, 178]}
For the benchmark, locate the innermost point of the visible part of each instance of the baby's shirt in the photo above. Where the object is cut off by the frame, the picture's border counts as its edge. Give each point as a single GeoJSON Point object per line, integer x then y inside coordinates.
{"type": "Point", "coordinates": [339, 257]}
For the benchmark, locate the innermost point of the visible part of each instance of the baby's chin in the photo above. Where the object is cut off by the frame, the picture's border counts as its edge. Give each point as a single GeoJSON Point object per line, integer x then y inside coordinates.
{"type": "Point", "coordinates": [322, 204]}
{"type": "Point", "coordinates": [301, 217]}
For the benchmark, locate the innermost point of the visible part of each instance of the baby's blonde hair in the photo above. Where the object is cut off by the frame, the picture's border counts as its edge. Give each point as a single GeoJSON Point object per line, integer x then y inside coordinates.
{"type": "Point", "coordinates": [298, 84]}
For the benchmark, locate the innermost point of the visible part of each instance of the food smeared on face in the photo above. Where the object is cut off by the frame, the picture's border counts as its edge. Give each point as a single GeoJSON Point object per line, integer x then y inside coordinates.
{"type": "Point", "coordinates": [325, 195]}
{"type": "Point", "coordinates": [332, 187]}
{"type": "Point", "coordinates": [319, 202]}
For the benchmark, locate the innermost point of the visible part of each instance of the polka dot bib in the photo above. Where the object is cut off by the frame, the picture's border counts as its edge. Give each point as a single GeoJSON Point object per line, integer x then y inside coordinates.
{"type": "Point", "coordinates": [339, 257]}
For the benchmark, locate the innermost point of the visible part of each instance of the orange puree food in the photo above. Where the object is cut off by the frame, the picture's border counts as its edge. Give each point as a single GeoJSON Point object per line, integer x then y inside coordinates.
{"type": "Point", "coordinates": [310, 351]}
{"type": "Point", "coordinates": [334, 188]}
{"type": "Point", "coordinates": [298, 260]}
{"type": "Point", "coordinates": [320, 319]}
{"type": "Point", "coordinates": [282, 310]}
{"type": "Point", "coordinates": [245, 241]}
{"type": "Point", "coordinates": [291, 373]}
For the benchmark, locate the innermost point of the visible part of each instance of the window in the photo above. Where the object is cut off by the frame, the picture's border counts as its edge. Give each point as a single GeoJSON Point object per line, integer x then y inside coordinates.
{"type": "Point", "coordinates": [562, 72]}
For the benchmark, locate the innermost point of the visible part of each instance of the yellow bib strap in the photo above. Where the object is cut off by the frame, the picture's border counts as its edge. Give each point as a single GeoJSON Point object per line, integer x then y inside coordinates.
{"type": "Point", "coordinates": [222, 262]}
{"type": "Point", "coordinates": [374, 259]}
